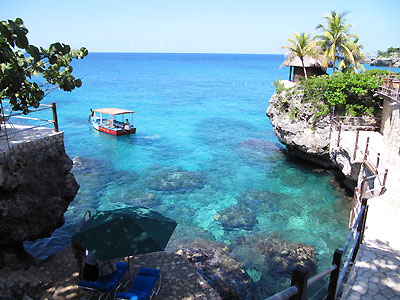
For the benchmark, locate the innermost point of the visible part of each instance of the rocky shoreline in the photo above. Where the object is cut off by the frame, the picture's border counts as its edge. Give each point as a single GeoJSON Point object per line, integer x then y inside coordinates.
{"type": "Point", "coordinates": [308, 138]}
{"type": "Point", "coordinates": [199, 270]}
{"type": "Point", "coordinates": [302, 136]}
{"type": "Point", "coordinates": [383, 61]}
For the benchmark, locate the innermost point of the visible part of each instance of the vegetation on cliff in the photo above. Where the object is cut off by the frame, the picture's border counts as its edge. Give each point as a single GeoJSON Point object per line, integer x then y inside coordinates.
{"type": "Point", "coordinates": [389, 52]}
{"type": "Point", "coordinates": [348, 93]}
{"type": "Point", "coordinates": [336, 46]}
{"type": "Point", "coordinates": [339, 44]}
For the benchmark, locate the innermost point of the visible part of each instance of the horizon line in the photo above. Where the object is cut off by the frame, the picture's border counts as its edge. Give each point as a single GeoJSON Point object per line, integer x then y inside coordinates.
{"type": "Point", "coordinates": [140, 52]}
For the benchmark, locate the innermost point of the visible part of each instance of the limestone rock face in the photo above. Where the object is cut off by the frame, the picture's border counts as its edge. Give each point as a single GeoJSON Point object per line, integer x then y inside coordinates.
{"type": "Point", "coordinates": [303, 138]}
{"type": "Point", "coordinates": [36, 187]}
{"type": "Point", "coordinates": [386, 61]}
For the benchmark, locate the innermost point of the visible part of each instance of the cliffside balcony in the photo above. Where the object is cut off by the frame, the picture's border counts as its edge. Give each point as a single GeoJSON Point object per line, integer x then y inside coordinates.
{"type": "Point", "coordinates": [389, 87]}
{"type": "Point", "coordinates": [17, 128]}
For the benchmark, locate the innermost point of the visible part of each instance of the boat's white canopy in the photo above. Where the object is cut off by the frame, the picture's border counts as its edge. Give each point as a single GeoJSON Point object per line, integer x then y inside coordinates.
{"type": "Point", "coordinates": [113, 111]}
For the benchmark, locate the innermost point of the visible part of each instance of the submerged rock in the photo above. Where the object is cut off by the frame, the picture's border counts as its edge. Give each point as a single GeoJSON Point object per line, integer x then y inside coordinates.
{"type": "Point", "coordinates": [216, 263]}
{"type": "Point", "coordinates": [175, 180]}
{"type": "Point", "coordinates": [259, 150]}
{"type": "Point", "coordinates": [238, 216]}
{"type": "Point", "coordinates": [278, 256]}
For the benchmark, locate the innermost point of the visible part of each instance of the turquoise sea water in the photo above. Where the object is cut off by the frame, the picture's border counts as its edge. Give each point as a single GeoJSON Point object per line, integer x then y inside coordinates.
{"type": "Point", "coordinates": [204, 147]}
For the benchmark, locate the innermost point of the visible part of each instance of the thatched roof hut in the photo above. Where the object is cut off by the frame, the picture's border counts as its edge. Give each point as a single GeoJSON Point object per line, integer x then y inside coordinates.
{"type": "Point", "coordinates": [313, 67]}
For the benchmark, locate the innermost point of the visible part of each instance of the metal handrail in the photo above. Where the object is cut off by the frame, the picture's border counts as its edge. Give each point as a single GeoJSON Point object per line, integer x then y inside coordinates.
{"type": "Point", "coordinates": [321, 275]}
{"type": "Point", "coordinates": [349, 238]}
{"type": "Point", "coordinates": [12, 114]}
{"type": "Point", "coordinates": [285, 294]}
{"type": "Point", "coordinates": [347, 263]}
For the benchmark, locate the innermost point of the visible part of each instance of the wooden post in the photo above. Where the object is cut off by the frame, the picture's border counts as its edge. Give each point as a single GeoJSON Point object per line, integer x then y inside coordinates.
{"type": "Point", "coordinates": [338, 138]}
{"type": "Point", "coordinates": [355, 196]}
{"type": "Point", "coordinates": [299, 279]}
{"type": "Point", "coordinates": [53, 107]}
{"type": "Point", "coordinates": [366, 149]}
{"type": "Point", "coordinates": [363, 186]}
{"type": "Point", "coordinates": [378, 157]}
{"type": "Point", "coordinates": [333, 279]}
{"type": "Point", "coordinates": [330, 129]}
{"type": "Point", "coordinates": [360, 229]}
{"type": "Point", "coordinates": [356, 144]}
{"type": "Point", "coordinates": [384, 182]}
{"type": "Point", "coordinates": [379, 83]}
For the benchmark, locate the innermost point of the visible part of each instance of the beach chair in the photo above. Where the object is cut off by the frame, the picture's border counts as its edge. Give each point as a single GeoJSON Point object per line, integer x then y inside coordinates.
{"type": "Point", "coordinates": [106, 285]}
{"type": "Point", "coordinates": [142, 288]}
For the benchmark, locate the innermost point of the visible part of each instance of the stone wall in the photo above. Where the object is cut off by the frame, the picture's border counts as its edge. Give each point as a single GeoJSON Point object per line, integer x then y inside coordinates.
{"type": "Point", "coordinates": [390, 129]}
{"type": "Point", "coordinates": [36, 187]}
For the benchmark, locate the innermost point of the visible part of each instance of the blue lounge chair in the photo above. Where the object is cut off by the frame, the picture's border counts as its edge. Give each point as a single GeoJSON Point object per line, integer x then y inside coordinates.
{"type": "Point", "coordinates": [106, 285]}
{"type": "Point", "coordinates": [142, 287]}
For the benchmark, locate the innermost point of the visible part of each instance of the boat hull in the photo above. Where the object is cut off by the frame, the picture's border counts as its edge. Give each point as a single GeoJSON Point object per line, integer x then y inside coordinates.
{"type": "Point", "coordinates": [113, 131]}
{"type": "Point", "coordinates": [117, 132]}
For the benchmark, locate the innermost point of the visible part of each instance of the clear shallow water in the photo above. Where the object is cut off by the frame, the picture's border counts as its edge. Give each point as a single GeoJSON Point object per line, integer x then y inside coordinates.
{"type": "Point", "coordinates": [201, 124]}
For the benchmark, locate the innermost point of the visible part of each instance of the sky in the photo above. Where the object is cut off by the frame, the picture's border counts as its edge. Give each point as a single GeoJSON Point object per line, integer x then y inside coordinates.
{"type": "Point", "coordinates": [202, 26]}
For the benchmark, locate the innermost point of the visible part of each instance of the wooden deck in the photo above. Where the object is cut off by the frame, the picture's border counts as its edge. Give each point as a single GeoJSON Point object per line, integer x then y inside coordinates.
{"type": "Point", "coordinates": [389, 87]}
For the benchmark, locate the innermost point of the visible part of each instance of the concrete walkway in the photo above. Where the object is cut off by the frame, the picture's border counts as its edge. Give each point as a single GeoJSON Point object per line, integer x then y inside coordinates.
{"type": "Point", "coordinates": [376, 272]}
{"type": "Point", "coordinates": [18, 134]}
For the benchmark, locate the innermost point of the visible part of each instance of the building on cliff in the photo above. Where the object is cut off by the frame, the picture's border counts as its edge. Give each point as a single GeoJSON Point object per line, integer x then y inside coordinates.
{"type": "Point", "coordinates": [313, 68]}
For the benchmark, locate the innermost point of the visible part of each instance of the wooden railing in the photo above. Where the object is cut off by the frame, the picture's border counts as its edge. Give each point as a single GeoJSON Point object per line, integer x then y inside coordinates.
{"type": "Point", "coordinates": [355, 124]}
{"type": "Point", "coordinates": [373, 169]}
{"type": "Point", "coordinates": [389, 86]}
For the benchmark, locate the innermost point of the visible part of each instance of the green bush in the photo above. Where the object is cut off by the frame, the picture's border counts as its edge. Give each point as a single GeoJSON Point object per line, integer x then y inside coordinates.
{"type": "Point", "coordinates": [350, 93]}
{"type": "Point", "coordinates": [377, 72]}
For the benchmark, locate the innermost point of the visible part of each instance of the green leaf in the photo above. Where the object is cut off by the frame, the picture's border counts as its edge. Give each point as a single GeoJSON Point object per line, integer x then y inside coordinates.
{"type": "Point", "coordinates": [78, 83]}
{"type": "Point", "coordinates": [66, 49]}
{"type": "Point", "coordinates": [53, 59]}
{"type": "Point", "coordinates": [33, 51]}
{"type": "Point", "coordinates": [22, 41]}
{"type": "Point", "coordinates": [19, 21]}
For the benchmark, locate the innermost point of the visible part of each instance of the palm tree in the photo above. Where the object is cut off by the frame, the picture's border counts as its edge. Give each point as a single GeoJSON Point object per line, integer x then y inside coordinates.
{"type": "Point", "coordinates": [352, 61]}
{"type": "Point", "coordinates": [337, 41]}
{"type": "Point", "coordinates": [301, 46]}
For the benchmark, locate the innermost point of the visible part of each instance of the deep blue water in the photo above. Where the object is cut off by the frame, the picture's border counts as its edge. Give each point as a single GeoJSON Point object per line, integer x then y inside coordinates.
{"type": "Point", "coordinates": [201, 123]}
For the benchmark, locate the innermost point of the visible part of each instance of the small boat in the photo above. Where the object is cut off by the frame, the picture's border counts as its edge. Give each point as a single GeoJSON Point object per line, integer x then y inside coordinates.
{"type": "Point", "coordinates": [113, 121]}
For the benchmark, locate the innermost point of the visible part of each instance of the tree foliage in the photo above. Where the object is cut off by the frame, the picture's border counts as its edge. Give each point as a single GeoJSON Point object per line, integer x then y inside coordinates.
{"type": "Point", "coordinates": [301, 46]}
{"type": "Point", "coordinates": [339, 44]}
{"type": "Point", "coordinates": [21, 61]}
{"type": "Point", "coordinates": [389, 52]}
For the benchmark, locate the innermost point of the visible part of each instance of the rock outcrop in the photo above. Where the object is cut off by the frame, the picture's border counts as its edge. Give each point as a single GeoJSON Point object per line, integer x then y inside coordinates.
{"type": "Point", "coordinates": [214, 261]}
{"type": "Point", "coordinates": [36, 187]}
{"type": "Point", "coordinates": [385, 61]}
{"type": "Point", "coordinates": [304, 137]}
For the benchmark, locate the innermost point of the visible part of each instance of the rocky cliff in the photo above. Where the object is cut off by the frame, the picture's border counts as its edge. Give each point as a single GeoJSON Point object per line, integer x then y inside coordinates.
{"type": "Point", "coordinates": [294, 124]}
{"type": "Point", "coordinates": [36, 187]}
{"type": "Point", "coordinates": [384, 61]}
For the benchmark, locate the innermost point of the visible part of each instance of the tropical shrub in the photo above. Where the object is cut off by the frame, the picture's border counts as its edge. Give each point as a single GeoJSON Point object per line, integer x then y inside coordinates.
{"type": "Point", "coordinates": [348, 93]}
